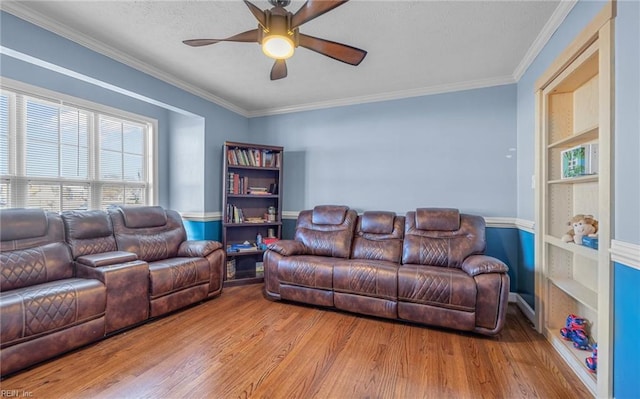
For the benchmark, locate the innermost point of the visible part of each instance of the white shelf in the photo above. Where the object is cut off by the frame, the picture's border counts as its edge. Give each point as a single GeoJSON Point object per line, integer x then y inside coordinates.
{"type": "Point", "coordinates": [574, 180]}
{"type": "Point", "coordinates": [584, 136]}
{"type": "Point", "coordinates": [575, 358]}
{"type": "Point", "coordinates": [578, 291]}
{"type": "Point", "coordinates": [572, 247]}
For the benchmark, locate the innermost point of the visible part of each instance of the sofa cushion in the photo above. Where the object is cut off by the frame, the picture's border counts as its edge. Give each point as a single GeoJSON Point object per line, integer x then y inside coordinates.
{"type": "Point", "coordinates": [442, 248]}
{"type": "Point", "coordinates": [31, 312]}
{"type": "Point", "coordinates": [371, 241]}
{"type": "Point", "coordinates": [326, 239]}
{"type": "Point", "coordinates": [377, 222]}
{"type": "Point", "coordinates": [88, 232]}
{"type": "Point", "coordinates": [18, 224]}
{"type": "Point", "coordinates": [441, 219]}
{"type": "Point", "coordinates": [307, 271]}
{"type": "Point", "coordinates": [174, 274]}
{"type": "Point", "coordinates": [366, 277]}
{"type": "Point", "coordinates": [136, 217]}
{"type": "Point", "coordinates": [329, 214]}
{"type": "Point", "coordinates": [149, 243]}
{"type": "Point", "coordinates": [437, 286]}
{"type": "Point", "coordinates": [26, 267]}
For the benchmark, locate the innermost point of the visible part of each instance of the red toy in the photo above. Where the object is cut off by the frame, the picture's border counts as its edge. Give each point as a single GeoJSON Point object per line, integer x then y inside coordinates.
{"type": "Point", "coordinates": [574, 330]}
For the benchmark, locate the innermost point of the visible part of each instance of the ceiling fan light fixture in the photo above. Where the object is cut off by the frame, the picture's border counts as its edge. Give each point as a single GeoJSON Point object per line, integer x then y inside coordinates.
{"type": "Point", "coordinates": [279, 47]}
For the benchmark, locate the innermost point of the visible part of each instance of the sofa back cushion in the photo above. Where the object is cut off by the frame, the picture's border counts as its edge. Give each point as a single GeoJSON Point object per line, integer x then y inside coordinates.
{"type": "Point", "coordinates": [150, 232]}
{"type": "Point", "coordinates": [88, 232]}
{"type": "Point", "coordinates": [32, 248]}
{"type": "Point", "coordinates": [327, 230]}
{"type": "Point", "coordinates": [441, 237]}
{"type": "Point", "coordinates": [378, 236]}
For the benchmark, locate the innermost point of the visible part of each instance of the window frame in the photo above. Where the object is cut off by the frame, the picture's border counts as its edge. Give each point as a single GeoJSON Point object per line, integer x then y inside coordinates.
{"type": "Point", "coordinates": [18, 94]}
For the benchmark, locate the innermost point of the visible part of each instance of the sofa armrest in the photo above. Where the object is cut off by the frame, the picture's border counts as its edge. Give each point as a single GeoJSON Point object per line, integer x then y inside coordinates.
{"type": "Point", "coordinates": [288, 247]}
{"type": "Point", "coordinates": [199, 248]}
{"type": "Point", "coordinates": [482, 264]}
{"type": "Point", "coordinates": [106, 258]}
{"type": "Point", "coordinates": [127, 291]}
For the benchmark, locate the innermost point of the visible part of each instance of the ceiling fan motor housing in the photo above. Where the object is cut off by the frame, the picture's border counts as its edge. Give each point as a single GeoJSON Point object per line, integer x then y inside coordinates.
{"type": "Point", "coordinates": [278, 22]}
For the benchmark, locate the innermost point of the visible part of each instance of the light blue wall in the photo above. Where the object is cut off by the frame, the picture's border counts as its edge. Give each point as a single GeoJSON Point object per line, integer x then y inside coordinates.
{"type": "Point", "coordinates": [155, 98]}
{"type": "Point", "coordinates": [581, 14]}
{"type": "Point", "coordinates": [441, 150]}
{"type": "Point", "coordinates": [627, 123]}
{"type": "Point", "coordinates": [187, 134]}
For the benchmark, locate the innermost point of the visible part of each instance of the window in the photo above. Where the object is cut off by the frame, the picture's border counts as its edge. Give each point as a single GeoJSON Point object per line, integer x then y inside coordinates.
{"type": "Point", "coordinates": [58, 156]}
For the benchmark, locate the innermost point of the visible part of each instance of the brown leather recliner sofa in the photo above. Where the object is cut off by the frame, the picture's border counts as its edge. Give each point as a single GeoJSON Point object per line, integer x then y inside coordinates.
{"type": "Point", "coordinates": [427, 267]}
{"type": "Point", "coordinates": [71, 279]}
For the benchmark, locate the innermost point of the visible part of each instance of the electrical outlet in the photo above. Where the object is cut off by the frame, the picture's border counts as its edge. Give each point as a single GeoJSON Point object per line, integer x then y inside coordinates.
{"type": "Point", "coordinates": [533, 182]}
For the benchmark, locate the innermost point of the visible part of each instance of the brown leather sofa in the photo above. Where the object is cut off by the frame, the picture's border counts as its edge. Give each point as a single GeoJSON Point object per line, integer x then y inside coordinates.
{"type": "Point", "coordinates": [427, 267]}
{"type": "Point", "coordinates": [71, 279]}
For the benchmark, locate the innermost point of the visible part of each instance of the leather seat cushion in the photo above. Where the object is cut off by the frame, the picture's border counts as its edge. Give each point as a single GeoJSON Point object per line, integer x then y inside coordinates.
{"type": "Point", "coordinates": [30, 312]}
{"type": "Point", "coordinates": [174, 274]}
{"type": "Point", "coordinates": [307, 271]}
{"type": "Point", "coordinates": [371, 278]}
{"type": "Point", "coordinates": [437, 286]}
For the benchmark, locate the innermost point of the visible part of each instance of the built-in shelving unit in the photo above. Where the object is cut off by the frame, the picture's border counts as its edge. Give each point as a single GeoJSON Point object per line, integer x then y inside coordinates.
{"type": "Point", "coordinates": [574, 108]}
{"type": "Point", "coordinates": [251, 205]}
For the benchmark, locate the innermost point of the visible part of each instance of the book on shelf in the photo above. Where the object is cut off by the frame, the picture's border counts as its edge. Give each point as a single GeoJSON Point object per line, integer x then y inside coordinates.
{"type": "Point", "coordinates": [234, 214]}
{"type": "Point", "coordinates": [245, 247]}
{"type": "Point", "coordinates": [253, 157]}
{"type": "Point", "coordinates": [231, 268]}
{"type": "Point", "coordinates": [259, 191]}
{"type": "Point", "coordinates": [579, 161]}
{"type": "Point", "coordinates": [237, 184]}
{"type": "Point", "coordinates": [254, 220]}
{"type": "Point", "coordinates": [259, 268]}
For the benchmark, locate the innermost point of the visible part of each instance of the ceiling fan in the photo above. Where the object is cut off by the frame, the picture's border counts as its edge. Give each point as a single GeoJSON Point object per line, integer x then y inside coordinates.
{"type": "Point", "coordinates": [278, 33]}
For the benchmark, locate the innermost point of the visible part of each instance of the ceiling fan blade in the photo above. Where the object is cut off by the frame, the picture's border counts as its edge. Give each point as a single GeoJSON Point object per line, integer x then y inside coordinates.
{"type": "Point", "coordinates": [258, 13]}
{"type": "Point", "coordinates": [200, 42]}
{"type": "Point", "coordinates": [279, 70]}
{"type": "Point", "coordinates": [338, 51]}
{"type": "Point", "coordinates": [312, 9]}
{"type": "Point", "coordinates": [248, 36]}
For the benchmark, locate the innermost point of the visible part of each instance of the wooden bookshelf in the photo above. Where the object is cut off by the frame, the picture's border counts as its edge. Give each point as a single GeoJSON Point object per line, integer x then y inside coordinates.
{"type": "Point", "coordinates": [251, 186]}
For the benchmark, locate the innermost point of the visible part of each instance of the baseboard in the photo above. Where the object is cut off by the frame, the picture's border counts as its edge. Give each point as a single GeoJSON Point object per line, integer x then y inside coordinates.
{"type": "Point", "coordinates": [514, 297]}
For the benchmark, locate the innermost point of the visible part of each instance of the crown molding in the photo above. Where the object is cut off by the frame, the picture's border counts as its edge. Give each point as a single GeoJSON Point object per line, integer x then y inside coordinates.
{"type": "Point", "coordinates": [625, 253]}
{"type": "Point", "coordinates": [396, 95]}
{"type": "Point", "coordinates": [559, 14]}
{"type": "Point", "coordinates": [22, 11]}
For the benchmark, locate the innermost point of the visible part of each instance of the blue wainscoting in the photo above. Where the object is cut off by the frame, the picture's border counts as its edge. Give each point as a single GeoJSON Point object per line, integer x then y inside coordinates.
{"type": "Point", "coordinates": [626, 316]}
{"type": "Point", "coordinates": [502, 243]}
{"type": "Point", "coordinates": [526, 267]}
{"type": "Point", "coordinates": [203, 230]}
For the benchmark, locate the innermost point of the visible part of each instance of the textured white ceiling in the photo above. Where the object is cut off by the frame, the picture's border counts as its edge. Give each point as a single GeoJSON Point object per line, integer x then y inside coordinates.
{"type": "Point", "coordinates": [413, 47]}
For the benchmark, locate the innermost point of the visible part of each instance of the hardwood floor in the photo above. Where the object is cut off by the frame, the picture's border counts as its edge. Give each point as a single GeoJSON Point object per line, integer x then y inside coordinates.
{"type": "Point", "coordinates": [241, 345]}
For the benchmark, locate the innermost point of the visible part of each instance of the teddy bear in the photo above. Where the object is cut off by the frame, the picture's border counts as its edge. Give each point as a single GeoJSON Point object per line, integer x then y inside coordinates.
{"type": "Point", "coordinates": [582, 225]}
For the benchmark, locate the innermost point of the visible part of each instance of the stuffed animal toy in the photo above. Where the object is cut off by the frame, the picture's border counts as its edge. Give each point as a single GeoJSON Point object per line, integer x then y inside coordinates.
{"type": "Point", "coordinates": [581, 225]}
